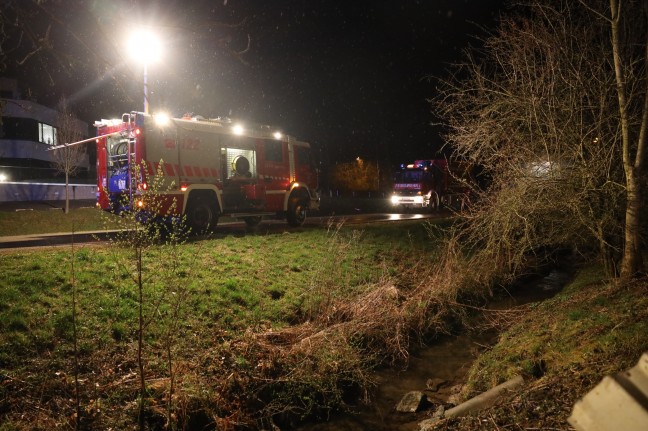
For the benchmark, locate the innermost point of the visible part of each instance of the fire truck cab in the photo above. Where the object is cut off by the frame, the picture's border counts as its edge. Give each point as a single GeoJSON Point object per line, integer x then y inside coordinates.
{"type": "Point", "coordinates": [420, 184]}
{"type": "Point", "coordinates": [204, 169]}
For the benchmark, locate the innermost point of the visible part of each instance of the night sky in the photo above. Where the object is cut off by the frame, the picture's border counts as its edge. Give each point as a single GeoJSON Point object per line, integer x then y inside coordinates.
{"type": "Point", "coordinates": [351, 77]}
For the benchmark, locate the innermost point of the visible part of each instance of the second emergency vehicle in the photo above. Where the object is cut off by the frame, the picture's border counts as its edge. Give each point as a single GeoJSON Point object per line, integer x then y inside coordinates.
{"type": "Point", "coordinates": [431, 184]}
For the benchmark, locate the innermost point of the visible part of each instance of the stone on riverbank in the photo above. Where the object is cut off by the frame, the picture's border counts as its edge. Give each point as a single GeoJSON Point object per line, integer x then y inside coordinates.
{"type": "Point", "coordinates": [412, 402]}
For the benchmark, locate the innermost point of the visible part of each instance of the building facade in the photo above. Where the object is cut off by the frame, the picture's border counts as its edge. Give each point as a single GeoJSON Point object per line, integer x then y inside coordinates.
{"type": "Point", "coordinates": [27, 131]}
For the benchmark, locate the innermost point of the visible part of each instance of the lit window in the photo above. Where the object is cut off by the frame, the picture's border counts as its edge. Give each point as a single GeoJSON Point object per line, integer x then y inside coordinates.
{"type": "Point", "coordinates": [46, 134]}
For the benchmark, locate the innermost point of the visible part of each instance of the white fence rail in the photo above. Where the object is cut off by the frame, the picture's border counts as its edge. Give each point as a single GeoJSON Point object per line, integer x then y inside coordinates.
{"type": "Point", "coordinates": [22, 191]}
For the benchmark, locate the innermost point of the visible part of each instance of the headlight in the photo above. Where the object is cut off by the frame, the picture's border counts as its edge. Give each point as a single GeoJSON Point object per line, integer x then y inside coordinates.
{"type": "Point", "coordinates": [394, 199]}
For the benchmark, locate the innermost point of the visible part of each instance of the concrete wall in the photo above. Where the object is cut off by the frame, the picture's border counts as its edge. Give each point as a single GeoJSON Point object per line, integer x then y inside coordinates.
{"type": "Point", "coordinates": [13, 192]}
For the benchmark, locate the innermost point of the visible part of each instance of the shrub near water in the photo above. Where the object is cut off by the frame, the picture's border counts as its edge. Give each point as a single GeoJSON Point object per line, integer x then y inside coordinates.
{"type": "Point", "coordinates": [563, 347]}
{"type": "Point", "coordinates": [248, 320]}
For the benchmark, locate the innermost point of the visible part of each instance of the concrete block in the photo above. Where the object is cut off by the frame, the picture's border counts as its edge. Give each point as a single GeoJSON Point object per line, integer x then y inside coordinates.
{"type": "Point", "coordinates": [619, 402]}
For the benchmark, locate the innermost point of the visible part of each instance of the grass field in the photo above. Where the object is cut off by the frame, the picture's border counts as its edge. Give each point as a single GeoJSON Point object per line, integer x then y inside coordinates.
{"type": "Point", "coordinates": [39, 222]}
{"type": "Point", "coordinates": [201, 301]}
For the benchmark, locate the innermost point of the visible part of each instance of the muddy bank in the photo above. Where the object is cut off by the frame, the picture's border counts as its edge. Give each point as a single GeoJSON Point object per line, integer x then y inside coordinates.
{"type": "Point", "coordinates": [443, 366]}
{"type": "Point", "coordinates": [438, 370]}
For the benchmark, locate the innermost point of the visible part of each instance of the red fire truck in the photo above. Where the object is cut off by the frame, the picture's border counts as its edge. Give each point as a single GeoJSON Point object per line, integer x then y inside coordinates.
{"type": "Point", "coordinates": [431, 184]}
{"type": "Point", "coordinates": [204, 168]}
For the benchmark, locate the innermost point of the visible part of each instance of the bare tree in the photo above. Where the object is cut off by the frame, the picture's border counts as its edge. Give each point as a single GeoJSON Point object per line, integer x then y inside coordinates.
{"type": "Point", "coordinates": [68, 159]}
{"type": "Point", "coordinates": [537, 109]}
{"type": "Point", "coordinates": [628, 22]}
{"type": "Point", "coordinates": [151, 240]}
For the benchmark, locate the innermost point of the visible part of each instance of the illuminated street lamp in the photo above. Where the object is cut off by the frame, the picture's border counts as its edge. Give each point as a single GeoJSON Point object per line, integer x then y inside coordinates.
{"type": "Point", "coordinates": [145, 47]}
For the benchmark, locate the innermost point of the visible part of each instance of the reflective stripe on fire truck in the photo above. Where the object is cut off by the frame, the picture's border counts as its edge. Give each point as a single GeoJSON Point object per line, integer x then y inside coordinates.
{"type": "Point", "coordinates": [271, 177]}
{"type": "Point", "coordinates": [291, 159]}
{"type": "Point", "coordinates": [172, 170]}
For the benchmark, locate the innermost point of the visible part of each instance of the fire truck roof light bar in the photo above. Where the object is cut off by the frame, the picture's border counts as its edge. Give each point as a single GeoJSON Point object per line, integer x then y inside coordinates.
{"type": "Point", "coordinates": [161, 119]}
{"type": "Point", "coordinates": [241, 130]}
{"type": "Point", "coordinates": [110, 122]}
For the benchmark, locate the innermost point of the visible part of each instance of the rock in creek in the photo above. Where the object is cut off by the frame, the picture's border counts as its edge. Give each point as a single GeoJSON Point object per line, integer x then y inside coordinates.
{"type": "Point", "coordinates": [434, 384]}
{"type": "Point", "coordinates": [412, 402]}
{"type": "Point", "coordinates": [428, 424]}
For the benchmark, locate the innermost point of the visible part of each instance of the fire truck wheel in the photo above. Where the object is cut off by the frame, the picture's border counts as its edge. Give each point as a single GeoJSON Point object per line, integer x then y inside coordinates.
{"type": "Point", "coordinates": [202, 215]}
{"type": "Point", "coordinates": [296, 215]}
{"type": "Point", "coordinates": [252, 221]}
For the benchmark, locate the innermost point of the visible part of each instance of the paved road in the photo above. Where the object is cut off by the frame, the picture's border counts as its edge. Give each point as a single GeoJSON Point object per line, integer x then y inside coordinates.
{"type": "Point", "coordinates": [328, 205]}
{"type": "Point", "coordinates": [224, 228]}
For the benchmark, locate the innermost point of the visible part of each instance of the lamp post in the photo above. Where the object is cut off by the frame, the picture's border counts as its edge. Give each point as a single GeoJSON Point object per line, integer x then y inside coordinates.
{"type": "Point", "coordinates": [145, 47]}
{"type": "Point", "coordinates": [146, 102]}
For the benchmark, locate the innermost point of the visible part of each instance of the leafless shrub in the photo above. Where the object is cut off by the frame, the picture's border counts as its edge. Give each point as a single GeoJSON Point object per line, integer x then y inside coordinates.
{"type": "Point", "coordinates": [309, 367]}
{"type": "Point", "coordinates": [67, 160]}
{"type": "Point", "coordinates": [537, 110]}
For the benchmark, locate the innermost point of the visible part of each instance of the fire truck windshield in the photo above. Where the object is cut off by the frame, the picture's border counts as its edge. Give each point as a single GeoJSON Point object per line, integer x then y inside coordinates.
{"type": "Point", "coordinates": [411, 176]}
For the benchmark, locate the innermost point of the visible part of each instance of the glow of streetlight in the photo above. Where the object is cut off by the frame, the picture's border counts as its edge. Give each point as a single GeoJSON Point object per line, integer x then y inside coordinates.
{"type": "Point", "coordinates": [145, 46]}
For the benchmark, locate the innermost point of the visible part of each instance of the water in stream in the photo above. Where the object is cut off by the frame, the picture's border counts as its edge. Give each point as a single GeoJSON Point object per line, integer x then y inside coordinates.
{"type": "Point", "coordinates": [444, 363]}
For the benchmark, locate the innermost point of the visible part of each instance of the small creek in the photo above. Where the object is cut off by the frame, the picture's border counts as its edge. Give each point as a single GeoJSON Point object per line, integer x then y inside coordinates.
{"type": "Point", "coordinates": [444, 363]}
